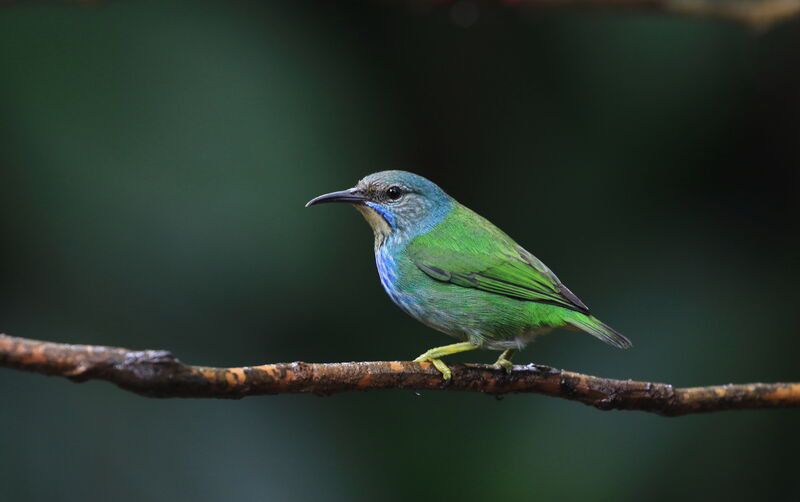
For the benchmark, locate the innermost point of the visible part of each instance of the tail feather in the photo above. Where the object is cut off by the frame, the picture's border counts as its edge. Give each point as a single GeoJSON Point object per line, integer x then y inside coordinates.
{"type": "Point", "coordinates": [599, 330]}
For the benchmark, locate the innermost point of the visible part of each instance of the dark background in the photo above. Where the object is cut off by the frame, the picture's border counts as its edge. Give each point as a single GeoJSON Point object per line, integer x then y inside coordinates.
{"type": "Point", "coordinates": [154, 162]}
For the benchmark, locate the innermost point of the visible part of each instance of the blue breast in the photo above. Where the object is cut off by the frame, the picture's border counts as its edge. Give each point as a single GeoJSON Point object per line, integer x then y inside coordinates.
{"type": "Point", "coordinates": [387, 270]}
{"type": "Point", "coordinates": [391, 251]}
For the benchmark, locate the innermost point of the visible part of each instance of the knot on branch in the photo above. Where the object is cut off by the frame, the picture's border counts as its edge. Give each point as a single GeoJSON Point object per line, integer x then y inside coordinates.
{"type": "Point", "coordinates": [148, 364]}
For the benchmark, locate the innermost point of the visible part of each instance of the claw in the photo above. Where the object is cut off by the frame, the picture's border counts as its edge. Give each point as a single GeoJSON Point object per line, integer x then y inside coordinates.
{"type": "Point", "coordinates": [504, 364]}
{"type": "Point", "coordinates": [442, 367]}
{"type": "Point", "coordinates": [435, 353]}
{"type": "Point", "coordinates": [438, 364]}
{"type": "Point", "coordinates": [504, 361]}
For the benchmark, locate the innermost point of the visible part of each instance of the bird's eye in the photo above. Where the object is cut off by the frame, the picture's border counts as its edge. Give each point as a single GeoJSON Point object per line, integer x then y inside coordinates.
{"type": "Point", "coordinates": [394, 192]}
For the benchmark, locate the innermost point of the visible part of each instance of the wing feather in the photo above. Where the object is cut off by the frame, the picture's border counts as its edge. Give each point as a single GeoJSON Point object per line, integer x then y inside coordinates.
{"type": "Point", "coordinates": [466, 250]}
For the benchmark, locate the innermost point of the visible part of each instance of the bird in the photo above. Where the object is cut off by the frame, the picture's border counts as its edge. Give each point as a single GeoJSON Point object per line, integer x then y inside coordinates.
{"type": "Point", "coordinates": [456, 272]}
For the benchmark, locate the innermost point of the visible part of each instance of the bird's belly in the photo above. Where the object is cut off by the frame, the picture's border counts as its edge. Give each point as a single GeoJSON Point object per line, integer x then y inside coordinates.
{"type": "Point", "coordinates": [486, 319]}
{"type": "Point", "coordinates": [475, 316]}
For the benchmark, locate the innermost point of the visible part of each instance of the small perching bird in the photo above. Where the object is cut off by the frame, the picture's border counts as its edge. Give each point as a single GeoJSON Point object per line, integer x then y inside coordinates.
{"type": "Point", "coordinates": [454, 271]}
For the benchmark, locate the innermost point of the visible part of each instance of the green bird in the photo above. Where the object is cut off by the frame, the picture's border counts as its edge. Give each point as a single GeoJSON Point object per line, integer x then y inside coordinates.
{"type": "Point", "coordinates": [453, 270]}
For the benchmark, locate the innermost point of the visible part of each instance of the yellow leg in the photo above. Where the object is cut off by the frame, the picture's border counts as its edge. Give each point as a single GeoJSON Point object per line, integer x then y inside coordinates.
{"type": "Point", "coordinates": [504, 361]}
{"type": "Point", "coordinates": [435, 353]}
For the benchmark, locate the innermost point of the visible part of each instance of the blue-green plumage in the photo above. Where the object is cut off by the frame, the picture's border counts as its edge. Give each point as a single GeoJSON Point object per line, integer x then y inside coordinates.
{"type": "Point", "coordinates": [456, 272]}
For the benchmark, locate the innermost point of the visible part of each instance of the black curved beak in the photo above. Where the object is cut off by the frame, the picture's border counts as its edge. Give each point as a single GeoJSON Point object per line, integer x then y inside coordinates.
{"type": "Point", "coordinates": [350, 195]}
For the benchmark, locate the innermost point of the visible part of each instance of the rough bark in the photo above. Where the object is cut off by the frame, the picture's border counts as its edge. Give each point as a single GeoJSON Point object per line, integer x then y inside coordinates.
{"type": "Point", "coordinates": [157, 373]}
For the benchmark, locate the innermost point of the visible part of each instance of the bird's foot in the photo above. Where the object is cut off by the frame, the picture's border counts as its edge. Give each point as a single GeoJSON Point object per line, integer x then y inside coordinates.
{"type": "Point", "coordinates": [504, 361]}
{"type": "Point", "coordinates": [438, 364]}
{"type": "Point", "coordinates": [435, 353]}
{"type": "Point", "coordinates": [505, 364]}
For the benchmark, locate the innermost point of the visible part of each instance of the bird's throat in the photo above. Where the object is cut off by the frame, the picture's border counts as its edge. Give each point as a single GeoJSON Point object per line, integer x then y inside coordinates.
{"type": "Point", "coordinates": [380, 227]}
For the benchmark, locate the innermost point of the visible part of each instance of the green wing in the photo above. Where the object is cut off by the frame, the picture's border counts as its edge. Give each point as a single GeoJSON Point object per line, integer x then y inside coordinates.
{"type": "Point", "coordinates": [467, 250]}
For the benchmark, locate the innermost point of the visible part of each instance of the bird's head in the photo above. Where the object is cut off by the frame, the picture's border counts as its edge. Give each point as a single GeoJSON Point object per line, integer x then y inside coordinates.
{"type": "Point", "coordinates": [394, 203]}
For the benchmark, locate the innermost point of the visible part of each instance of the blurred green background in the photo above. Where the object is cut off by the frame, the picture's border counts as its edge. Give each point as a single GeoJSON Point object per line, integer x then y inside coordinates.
{"type": "Point", "coordinates": [154, 162]}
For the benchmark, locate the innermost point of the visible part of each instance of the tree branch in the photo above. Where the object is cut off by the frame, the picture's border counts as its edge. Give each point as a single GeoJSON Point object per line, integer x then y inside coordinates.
{"type": "Point", "coordinates": [761, 14]}
{"type": "Point", "coordinates": [157, 373]}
